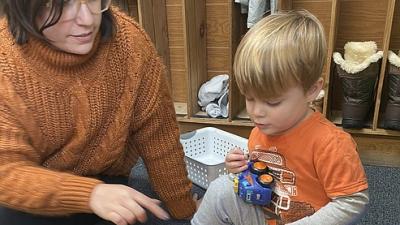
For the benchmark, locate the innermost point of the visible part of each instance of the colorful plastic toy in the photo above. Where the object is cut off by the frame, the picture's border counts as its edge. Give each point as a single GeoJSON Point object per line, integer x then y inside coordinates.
{"type": "Point", "coordinates": [254, 184]}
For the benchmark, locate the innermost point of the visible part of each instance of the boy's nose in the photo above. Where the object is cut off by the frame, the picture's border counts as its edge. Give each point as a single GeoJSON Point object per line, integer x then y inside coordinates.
{"type": "Point", "coordinates": [84, 16]}
{"type": "Point", "coordinates": [258, 111]}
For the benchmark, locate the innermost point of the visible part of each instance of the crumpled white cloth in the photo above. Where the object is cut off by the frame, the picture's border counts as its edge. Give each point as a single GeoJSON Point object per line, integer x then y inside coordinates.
{"type": "Point", "coordinates": [219, 109]}
{"type": "Point", "coordinates": [213, 89]}
{"type": "Point", "coordinates": [213, 96]}
{"type": "Point", "coordinates": [255, 9]}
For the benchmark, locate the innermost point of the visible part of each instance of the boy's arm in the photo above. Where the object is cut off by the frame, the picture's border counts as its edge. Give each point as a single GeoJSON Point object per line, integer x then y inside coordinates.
{"type": "Point", "coordinates": [344, 210]}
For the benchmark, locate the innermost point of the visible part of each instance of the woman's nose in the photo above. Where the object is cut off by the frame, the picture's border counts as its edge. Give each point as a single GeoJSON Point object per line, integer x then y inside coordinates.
{"type": "Point", "coordinates": [84, 16]}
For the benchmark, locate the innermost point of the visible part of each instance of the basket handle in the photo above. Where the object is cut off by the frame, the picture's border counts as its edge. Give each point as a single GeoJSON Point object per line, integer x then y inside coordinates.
{"type": "Point", "coordinates": [188, 135]}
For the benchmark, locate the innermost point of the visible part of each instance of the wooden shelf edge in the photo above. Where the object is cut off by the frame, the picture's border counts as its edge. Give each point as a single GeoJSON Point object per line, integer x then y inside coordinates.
{"type": "Point", "coordinates": [376, 132]}
{"type": "Point", "coordinates": [373, 149]}
{"type": "Point", "coordinates": [248, 123]}
{"type": "Point", "coordinates": [212, 121]}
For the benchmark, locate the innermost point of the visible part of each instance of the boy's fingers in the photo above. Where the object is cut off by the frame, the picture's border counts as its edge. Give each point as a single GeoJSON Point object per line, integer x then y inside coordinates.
{"type": "Point", "coordinates": [244, 167]}
{"type": "Point", "coordinates": [236, 150]}
{"type": "Point", "coordinates": [238, 169]}
{"type": "Point", "coordinates": [237, 164]}
{"type": "Point", "coordinates": [235, 157]}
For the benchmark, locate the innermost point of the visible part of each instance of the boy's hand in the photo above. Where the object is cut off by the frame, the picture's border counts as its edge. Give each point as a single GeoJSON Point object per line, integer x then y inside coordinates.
{"type": "Point", "coordinates": [123, 205]}
{"type": "Point", "coordinates": [235, 161]}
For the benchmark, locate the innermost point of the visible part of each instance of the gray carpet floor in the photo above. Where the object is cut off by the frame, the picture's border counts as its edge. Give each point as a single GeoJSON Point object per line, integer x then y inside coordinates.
{"type": "Point", "coordinates": [384, 191]}
{"type": "Point", "coordinates": [384, 188]}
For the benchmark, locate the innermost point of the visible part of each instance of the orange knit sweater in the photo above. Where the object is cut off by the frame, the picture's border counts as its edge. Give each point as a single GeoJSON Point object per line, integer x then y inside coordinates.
{"type": "Point", "coordinates": [65, 118]}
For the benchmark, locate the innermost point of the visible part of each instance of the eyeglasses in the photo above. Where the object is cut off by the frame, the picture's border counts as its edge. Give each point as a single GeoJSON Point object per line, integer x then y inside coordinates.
{"type": "Point", "coordinates": [72, 7]}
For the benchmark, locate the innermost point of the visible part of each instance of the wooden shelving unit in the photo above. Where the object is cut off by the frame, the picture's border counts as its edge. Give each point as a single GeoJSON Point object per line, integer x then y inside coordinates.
{"type": "Point", "coordinates": [202, 36]}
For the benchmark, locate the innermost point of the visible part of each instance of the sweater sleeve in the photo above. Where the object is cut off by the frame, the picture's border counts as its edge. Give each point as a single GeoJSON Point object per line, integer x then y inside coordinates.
{"type": "Point", "coordinates": [155, 136]}
{"type": "Point", "coordinates": [342, 210]}
{"type": "Point", "coordinates": [24, 184]}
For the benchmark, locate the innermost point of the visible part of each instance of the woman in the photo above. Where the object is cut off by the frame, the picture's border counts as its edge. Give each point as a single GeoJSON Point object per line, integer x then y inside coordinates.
{"type": "Point", "coordinates": [82, 96]}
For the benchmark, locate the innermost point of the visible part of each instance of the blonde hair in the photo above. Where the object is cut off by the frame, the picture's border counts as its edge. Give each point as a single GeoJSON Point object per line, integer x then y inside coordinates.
{"type": "Point", "coordinates": [280, 51]}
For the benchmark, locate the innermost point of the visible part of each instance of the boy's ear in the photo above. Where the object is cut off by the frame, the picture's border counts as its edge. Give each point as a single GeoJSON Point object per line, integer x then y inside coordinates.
{"type": "Point", "coordinates": [314, 90]}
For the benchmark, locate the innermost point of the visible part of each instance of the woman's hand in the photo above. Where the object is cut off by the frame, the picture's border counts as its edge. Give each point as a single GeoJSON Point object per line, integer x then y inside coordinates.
{"type": "Point", "coordinates": [236, 161]}
{"type": "Point", "coordinates": [123, 205]}
{"type": "Point", "coordinates": [197, 200]}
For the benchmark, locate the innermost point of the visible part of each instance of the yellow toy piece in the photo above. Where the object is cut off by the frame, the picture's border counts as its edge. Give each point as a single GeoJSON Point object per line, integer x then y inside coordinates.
{"type": "Point", "coordinates": [236, 184]}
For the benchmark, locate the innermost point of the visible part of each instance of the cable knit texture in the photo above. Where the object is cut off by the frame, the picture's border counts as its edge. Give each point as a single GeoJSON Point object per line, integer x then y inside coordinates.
{"type": "Point", "coordinates": [65, 118]}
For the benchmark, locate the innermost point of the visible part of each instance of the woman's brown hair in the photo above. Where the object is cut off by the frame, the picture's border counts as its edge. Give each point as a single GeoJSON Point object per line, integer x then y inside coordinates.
{"type": "Point", "coordinates": [22, 14]}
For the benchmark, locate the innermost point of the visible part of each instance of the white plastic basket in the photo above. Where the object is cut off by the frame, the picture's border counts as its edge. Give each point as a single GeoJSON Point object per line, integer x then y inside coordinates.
{"type": "Point", "coordinates": [205, 151]}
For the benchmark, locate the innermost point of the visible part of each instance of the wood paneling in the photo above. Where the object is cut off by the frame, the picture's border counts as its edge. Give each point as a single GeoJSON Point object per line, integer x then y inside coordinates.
{"type": "Point", "coordinates": [176, 37]}
{"type": "Point", "coordinates": [179, 85]}
{"type": "Point", "coordinates": [1, 9]}
{"type": "Point", "coordinates": [130, 7]}
{"type": "Point", "coordinates": [177, 58]}
{"type": "Point", "coordinates": [174, 2]}
{"type": "Point", "coordinates": [378, 150]}
{"type": "Point", "coordinates": [361, 20]}
{"type": "Point", "coordinates": [320, 9]}
{"type": "Point", "coordinates": [218, 25]}
{"type": "Point", "coordinates": [177, 49]}
{"type": "Point", "coordinates": [217, 2]}
{"type": "Point", "coordinates": [217, 59]}
{"type": "Point", "coordinates": [195, 15]}
{"type": "Point", "coordinates": [395, 34]}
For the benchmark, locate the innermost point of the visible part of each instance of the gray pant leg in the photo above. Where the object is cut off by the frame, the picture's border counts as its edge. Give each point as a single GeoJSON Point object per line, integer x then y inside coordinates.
{"type": "Point", "coordinates": [221, 206]}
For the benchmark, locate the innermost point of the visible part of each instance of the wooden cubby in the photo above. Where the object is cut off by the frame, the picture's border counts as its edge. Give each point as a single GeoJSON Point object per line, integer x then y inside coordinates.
{"type": "Point", "coordinates": [197, 40]}
{"type": "Point", "coordinates": [203, 36]}
{"type": "Point", "coordinates": [209, 32]}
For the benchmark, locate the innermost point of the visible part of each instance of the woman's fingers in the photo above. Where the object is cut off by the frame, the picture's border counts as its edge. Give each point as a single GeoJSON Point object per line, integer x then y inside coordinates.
{"type": "Point", "coordinates": [197, 200]}
{"type": "Point", "coordinates": [123, 205]}
{"type": "Point", "coordinates": [138, 211]}
{"type": "Point", "coordinates": [150, 205]}
{"type": "Point", "coordinates": [116, 219]}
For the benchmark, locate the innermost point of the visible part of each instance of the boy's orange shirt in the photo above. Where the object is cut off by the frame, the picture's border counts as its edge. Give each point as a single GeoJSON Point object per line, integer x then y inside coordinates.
{"type": "Point", "coordinates": [312, 163]}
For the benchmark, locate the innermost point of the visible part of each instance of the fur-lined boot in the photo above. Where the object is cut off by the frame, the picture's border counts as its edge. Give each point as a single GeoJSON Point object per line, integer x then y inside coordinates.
{"type": "Point", "coordinates": [392, 112]}
{"type": "Point", "coordinates": [358, 72]}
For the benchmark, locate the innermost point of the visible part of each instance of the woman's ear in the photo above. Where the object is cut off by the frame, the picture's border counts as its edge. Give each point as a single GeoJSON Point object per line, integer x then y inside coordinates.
{"type": "Point", "coordinates": [314, 90]}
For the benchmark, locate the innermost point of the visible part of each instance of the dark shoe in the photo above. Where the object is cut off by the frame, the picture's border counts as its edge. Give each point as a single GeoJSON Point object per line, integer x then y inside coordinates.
{"type": "Point", "coordinates": [358, 73]}
{"type": "Point", "coordinates": [392, 112]}
{"type": "Point", "coordinates": [358, 93]}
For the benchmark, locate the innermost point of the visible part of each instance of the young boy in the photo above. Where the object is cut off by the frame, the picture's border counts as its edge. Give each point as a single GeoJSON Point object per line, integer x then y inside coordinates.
{"type": "Point", "coordinates": [319, 178]}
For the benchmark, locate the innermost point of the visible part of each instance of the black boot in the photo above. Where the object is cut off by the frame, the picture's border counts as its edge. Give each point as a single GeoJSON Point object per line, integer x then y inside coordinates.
{"type": "Point", "coordinates": [392, 112]}
{"type": "Point", "coordinates": [358, 93]}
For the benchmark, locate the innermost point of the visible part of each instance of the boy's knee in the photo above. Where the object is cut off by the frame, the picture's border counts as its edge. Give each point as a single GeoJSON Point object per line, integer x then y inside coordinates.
{"type": "Point", "coordinates": [222, 187]}
{"type": "Point", "coordinates": [217, 202]}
